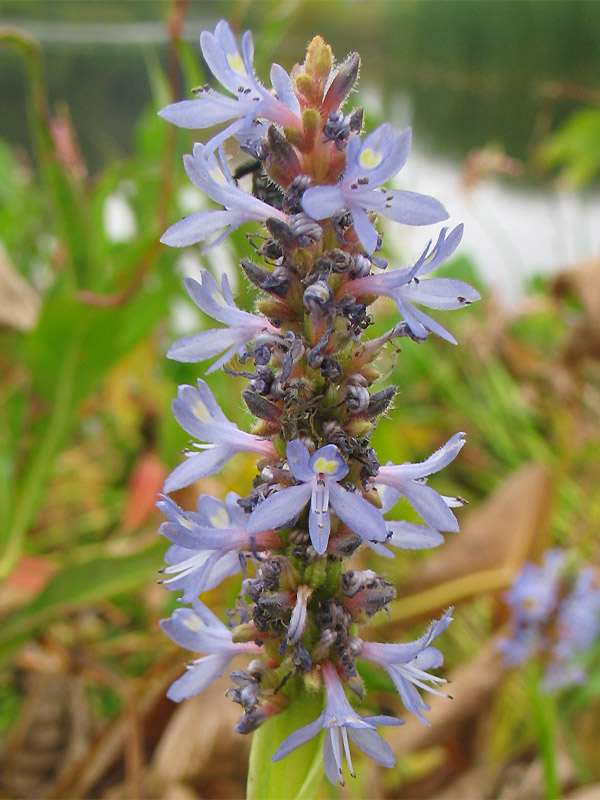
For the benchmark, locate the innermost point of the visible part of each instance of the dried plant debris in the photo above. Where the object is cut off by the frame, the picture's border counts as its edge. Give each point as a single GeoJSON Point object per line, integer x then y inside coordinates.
{"type": "Point", "coordinates": [51, 734]}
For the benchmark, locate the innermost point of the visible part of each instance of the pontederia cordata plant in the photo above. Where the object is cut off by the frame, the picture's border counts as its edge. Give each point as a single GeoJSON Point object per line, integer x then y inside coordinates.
{"type": "Point", "coordinates": [320, 493]}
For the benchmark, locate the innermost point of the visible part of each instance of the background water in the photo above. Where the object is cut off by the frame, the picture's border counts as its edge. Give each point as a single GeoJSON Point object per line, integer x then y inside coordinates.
{"type": "Point", "coordinates": [465, 75]}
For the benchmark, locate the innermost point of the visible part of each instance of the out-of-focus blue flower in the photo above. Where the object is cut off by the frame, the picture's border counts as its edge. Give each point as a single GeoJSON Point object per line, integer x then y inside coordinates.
{"type": "Point", "coordinates": [318, 475]}
{"type": "Point", "coordinates": [553, 617]}
{"type": "Point", "coordinates": [251, 101]}
{"type": "Point", "coordinates": [407, 664]}
{"type": "Point", "coordinates": [205, 544]}
{"type": "Point", "coordinates": [242, 326]}
{"type": "Point", "coordinates": [201, 632]}
{"type": "Point", "coordinates": [534, 592]}
{"type": "Point", "coordinates": [369, 164]}
{"type": "Point", "coordinates": [341, 723]}
{"type": "Point", "coordinates": [213, 178]}
{"type": "Point", "coordinates": [407, 287]}
{"type": "Point", "coordinates": [408, 480]}
{"type": "Point", "coordinates": [198, 413]}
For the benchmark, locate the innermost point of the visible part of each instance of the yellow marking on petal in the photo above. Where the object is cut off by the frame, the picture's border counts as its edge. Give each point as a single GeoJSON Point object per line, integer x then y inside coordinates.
{"type": "Point", "coordinates": [218, 176]}
{"type": "Point", "coordinates": [219, 299]}
{"type": "Point", "coordinates": [201, 412]}
{"type": "Point", "coordinates": [323, 465]}
{"type": "Point", "coordinates": [236, 63]}
{"type": "Point", "coordinates": [220, 519]}
{"type": "Point", "coordinates": [184, 521]}
{"type": "Point", "coordinates": [193, 623]}
{"type": "Point", "coordinates": [370, 158]}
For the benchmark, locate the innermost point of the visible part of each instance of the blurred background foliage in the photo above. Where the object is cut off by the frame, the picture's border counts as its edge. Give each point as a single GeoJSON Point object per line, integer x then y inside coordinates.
{"type": "Point", "coordinates": [508, 94]}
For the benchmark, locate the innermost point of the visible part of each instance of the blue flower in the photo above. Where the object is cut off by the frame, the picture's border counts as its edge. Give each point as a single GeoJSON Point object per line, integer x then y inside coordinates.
{"type": "Point", "coordinates": [198, 413]}
{"type": "Point", "coordinates": [201, 632]}
{"type": "Point", "coordinates": [368, 165]}
{"type": "Point", "coordinates": [407, 664]}
{"type": "Point", "coordinates": [251, 101]}
{"type": "Point", "coordinates": [242, 326]}
{"type": "Point", "coordinates": [408, 481]}
{"type": "Point", "coordinates": [534, 593]}
{"type": "Point", "coordinates": [213, 178]}
{"type": "Point", "coordinates": [341, 723]}
{"type": "Point", "coordinates": [407, 287]}
{"type": "Point", "coordinates": [553, 616]}
{"type": "Point", "coordinates": [318, 475]}
{"type": "Point", "coordinates": [205, 544]}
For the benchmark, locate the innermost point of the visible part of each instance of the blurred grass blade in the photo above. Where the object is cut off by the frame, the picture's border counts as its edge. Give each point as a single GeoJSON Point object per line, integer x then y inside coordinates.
{"type": "Point", "coordinates": [79, 584]}
{"type": "Point", "coordinates": [70, 205]}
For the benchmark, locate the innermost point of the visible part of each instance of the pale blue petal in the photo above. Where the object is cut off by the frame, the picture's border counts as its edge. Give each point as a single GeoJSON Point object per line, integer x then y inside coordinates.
{"type": "Point", "coordinates": [198, 226]}
{"type": "Point", "coordinates": [410, 536]}
{"type": "Point", "coordinates": [319, 526]}
{"type": "Point", "coordinates": [364, 228]}
{"type": "Point", "coordinates": [332, 770]}
{"type": "Point", "coordinates": [197, 466]}
{"type": "Point", "coordinates": [373, 746]}
{"type": "Point", "coordinates": [444, 247]}
{"type": "Point", "coordinates": [442, 293]}
{"type": "Point", "coordinates": [359, 515]}
{"type": "Point", "coordinates": [298, 738]}
{"type": "Point", "coordinates": [411, 208]}
{"type": "Point", "coordinates": [411, 699]}
{"type": "Point", "coordinates": [198, 677]}
{"type": "Point", "coordinates": [430, 506]}
{"type": "Point", "coordinates": [205, 111]}
{"type": "Point", "coordinates": [207, 296]}
{"type": "Point", "coordinates": [283, 88]}
{"type": "Point", "coordinates": [187, 629]}
{"type": "Point", "coordinates": [394, 160]}
{"type": "Point", "coordinates": [382, 719]}
{"type": "Point", "coordinates": [298, 459]}
{"type": "Point", "coordinates": [436, 462]}
{"type": "Point", "coordinates": [279, 508]}
{"type": "Point", "coordinates": [205, 344]}
{"type": "Point", "coordinates": [322, 202]}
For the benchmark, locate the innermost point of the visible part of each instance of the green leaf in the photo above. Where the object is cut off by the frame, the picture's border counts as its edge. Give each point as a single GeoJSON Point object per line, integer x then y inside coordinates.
{"type": "Point", "coordinates": [298, 775]}
{"type": "Point", "coordinates": [79, 584]}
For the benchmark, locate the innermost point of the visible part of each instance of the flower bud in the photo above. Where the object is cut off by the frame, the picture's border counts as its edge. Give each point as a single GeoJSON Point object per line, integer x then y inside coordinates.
{"type": "Point", "coordinates": [342, 84]}
{"type": "Point", "coordinates": [275, 282]}
{"type": "Point", "coordinates": [282, 164]}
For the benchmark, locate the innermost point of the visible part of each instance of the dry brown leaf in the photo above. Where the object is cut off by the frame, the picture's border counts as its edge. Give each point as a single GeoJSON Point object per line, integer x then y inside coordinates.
{"type": "Point", "coordinates": [584, 282]}
{"type": "Point", "coordinates": [494, 541]}
{"type": "Point", "coordinates": [475, 784]}
{"type": "Point", "coordinates": [50, 736]}
{"type": "Point", "coordinates": [199, 728]}
{"type": "Point", "coordinates": [526, 781]}
{"type": "Point", "coordinates": [19, 303]}
{"type": "Point", "coordinates": [591, 792]}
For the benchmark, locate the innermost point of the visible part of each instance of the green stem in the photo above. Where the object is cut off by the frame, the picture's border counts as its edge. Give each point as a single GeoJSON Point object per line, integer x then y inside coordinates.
{"type": "Point", "coordinates": [299, 774]}
{"type": "Point", "coordinates": [545, 720]}
{"type": "Point", "coordinates": [41, 463]}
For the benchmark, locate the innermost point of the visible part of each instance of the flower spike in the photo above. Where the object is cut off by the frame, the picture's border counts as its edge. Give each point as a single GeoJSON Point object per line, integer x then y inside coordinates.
{"type": "Point", "coordinates": [317, 185]}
